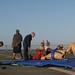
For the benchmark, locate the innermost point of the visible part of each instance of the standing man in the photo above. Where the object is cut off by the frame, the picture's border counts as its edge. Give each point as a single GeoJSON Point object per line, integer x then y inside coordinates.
{"type": "Point", "coordinates": [27, 44]}
{"type": "Point", "coordinates": [16, 44]}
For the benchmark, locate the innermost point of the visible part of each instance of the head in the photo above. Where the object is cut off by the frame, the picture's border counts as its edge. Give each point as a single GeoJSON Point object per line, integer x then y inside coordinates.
{"type": "Point", "coordinates": [46, 40]}
{"type": "Point", "coordinates": [60, 46]}
{"type": "Point", "coordinates": [32, 34]}
{"type": "Point", "coordinates": [17, 31]}
{"type": "Point", "coordinates": [47, 43]}
{"type": "Point", "coordinates": [1, 43]}
{"type": "Point", "coordinates": [43, 41]}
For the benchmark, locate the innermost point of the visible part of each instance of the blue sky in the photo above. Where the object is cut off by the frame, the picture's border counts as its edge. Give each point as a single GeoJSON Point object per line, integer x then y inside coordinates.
{"type": "Point", "coordinates": [52, 20]}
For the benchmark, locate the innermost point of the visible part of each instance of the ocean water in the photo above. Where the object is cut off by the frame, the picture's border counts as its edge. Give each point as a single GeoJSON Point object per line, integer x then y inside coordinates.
{"type": "Point", "coordinates": [33, 47]}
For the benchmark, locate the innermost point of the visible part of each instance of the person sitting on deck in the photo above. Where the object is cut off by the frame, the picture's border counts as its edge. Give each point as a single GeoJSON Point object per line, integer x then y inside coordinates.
{"type": "Point", "coordinates": [47, 47]}
{"type": "Point", "coordinates": [42, 46]}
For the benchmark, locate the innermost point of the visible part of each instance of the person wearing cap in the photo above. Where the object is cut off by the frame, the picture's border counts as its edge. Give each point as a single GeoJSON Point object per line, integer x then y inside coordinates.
{"type": "Point", "coordinates": [16, 44]}
{"type": "Point", "coordinates": [27, 44]}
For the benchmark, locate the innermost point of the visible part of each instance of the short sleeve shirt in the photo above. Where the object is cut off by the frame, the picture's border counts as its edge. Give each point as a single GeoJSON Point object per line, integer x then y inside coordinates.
{"type": "Point", "coordinates": [16, 39]}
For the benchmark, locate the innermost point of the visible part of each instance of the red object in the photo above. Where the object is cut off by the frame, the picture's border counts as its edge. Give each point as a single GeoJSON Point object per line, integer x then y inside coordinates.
{"type": "Point", "coordinates": [42, 55]}
{"type": "Point", "coordinates": [36, 57]}
{"type": "Point", "coordinates": [39, 55]}
{"type": "Point", "coordinates": [39, 52]}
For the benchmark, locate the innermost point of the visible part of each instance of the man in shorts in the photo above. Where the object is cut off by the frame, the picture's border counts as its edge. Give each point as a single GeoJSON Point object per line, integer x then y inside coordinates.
{"type": "Point", "coordinates": [16, 44]}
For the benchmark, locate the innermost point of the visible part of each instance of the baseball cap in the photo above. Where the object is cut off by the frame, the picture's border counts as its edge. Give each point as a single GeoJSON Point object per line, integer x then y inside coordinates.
{"type": "Point", "coordinates": [17, 31]}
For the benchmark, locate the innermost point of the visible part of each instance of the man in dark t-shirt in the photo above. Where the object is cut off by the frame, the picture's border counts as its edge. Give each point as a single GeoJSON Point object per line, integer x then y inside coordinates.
{"type": "Point", "coordinates": [16, 44]}
{"type": "Point", "coordinates": [27, 44]}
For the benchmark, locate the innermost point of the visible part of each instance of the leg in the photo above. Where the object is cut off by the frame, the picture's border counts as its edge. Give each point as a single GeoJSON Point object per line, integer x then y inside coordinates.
{"type": "Point", "coordinates": [73, 50]}
{"type": "Point", "coordinates": [46, 57]}
{"type": "Point", "coordinates": [14, 53]}
{"type": "Point", "coordinates": [21, 55]}
{"type": "Point", "coordinates": [25, 52]}
{"type": "Point", "coordinates": [19, 51]}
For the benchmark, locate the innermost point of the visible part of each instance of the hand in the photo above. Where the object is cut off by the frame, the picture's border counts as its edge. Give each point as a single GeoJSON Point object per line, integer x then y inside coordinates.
{"type": "Point", "coordinates": [29, 52]}
{"type": "Point", "coordinates": [11, 45]}
{"type": "Point", "coordinates": [16, 44]}
{"type": "Point", "coordinates": [28, 48]}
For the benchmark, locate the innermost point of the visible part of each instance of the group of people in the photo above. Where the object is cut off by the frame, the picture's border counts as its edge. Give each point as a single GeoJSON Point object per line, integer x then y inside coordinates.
{"type": "Point", "coordinates": [57, 53]}
{"type": "Point", "coordinates": [17, 44]}
{"type": "Point", "coordinates": [45, 52]}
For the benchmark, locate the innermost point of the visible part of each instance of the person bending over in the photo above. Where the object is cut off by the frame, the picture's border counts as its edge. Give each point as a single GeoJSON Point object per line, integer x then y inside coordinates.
{"type": "Point", "coordinates": [27, 44]}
